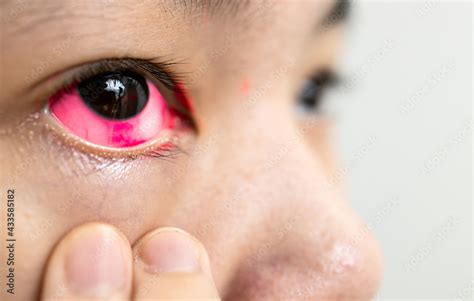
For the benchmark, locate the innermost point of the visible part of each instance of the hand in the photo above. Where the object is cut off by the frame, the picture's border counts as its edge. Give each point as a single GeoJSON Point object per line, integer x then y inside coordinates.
{"type": "Point", "coordinates": [96, 262]}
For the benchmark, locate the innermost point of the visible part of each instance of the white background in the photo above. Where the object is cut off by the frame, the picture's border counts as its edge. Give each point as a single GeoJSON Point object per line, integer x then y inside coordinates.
{"type": "Point", "coordinates": [404, 129]}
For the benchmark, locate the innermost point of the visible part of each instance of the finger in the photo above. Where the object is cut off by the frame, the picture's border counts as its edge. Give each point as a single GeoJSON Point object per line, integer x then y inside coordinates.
{"type": "Point", "coordinates": [92, 262]}
{"type": "Point", "coordinates": [171, 264]}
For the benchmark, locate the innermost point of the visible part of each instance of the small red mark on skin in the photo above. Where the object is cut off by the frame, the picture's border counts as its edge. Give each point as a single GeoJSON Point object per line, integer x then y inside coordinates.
{"type": "Point", "coordinates": [245, 87]}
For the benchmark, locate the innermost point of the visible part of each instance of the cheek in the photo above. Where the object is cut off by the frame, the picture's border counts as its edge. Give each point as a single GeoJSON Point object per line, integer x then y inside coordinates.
{"type": "Point", "coordinates": [69, 109]}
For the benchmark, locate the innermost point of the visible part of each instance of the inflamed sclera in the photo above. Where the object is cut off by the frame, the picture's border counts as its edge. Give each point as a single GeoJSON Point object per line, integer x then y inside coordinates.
{"type": "Point", "coordinates": [116, 109]}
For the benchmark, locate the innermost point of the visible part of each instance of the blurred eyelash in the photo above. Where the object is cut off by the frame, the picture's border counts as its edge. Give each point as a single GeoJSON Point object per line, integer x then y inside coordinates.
{"type": "Point", "coordinates": [153, 69]}
{"type": "Point", "coordinates": [327, 78]}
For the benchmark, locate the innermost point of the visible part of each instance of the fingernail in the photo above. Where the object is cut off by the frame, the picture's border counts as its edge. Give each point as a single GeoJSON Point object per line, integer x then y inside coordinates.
{"type": "Point", "coordinates": [95, 263]}
{"type": "Point", "coordinates": [169, 250]}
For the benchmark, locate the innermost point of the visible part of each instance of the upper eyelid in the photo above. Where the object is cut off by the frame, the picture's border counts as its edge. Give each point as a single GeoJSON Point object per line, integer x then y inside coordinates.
{"type": "Point", "coordinates": [158, 69]}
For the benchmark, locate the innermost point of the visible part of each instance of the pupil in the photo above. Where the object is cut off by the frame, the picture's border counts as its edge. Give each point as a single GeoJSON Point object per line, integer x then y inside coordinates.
{"type": "Point", "coordinates": [119, 95]}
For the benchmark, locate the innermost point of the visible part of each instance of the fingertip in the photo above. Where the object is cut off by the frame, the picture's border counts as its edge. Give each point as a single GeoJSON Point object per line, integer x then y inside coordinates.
{"type": "Point", "coordinates": [176, 264]}
{"type": "Point", "coordinates": [94, 260]}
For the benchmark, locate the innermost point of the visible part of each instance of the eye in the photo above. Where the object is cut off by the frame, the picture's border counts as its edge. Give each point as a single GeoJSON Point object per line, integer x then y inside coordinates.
{"type": "Point", "coordinates": [116, 109]}
{"type": "Point", "coordinates": [311, 95]}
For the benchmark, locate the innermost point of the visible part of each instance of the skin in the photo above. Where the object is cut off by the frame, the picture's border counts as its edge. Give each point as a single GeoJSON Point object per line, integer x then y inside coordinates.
{"type": "Point", "coordinates": [258, 185]}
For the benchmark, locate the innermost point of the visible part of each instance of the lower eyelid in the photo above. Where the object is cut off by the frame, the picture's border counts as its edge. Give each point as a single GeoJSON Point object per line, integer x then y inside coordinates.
{"type": "Point", "coordinates": [44, 142]}
{"type": "Point", "coordinates": [167, 141]}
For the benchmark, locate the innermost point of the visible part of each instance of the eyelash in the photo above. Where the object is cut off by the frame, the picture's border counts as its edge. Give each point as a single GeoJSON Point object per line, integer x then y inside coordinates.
{"type": "Point", "coordinates": [156, 72]}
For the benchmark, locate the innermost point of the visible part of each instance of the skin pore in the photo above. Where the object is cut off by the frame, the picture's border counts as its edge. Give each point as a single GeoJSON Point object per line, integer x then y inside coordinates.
{"type": "Point", "coordinates": [251, 178]}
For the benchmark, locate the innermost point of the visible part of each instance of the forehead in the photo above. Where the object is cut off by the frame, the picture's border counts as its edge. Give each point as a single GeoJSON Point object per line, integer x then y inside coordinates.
{"type": "Point", "coordinates": [27, 15]}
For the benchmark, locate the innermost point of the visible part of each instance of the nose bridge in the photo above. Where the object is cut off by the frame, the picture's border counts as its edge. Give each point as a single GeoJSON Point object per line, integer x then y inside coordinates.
{"type": "Point", "coordinates": [264, 169]}
{"type": "Point", "coordinates": [259, 147]}
{"type": "Point", "coordinates": [263, 146]}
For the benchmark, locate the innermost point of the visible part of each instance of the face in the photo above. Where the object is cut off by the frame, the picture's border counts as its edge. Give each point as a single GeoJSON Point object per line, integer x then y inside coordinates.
{"type": "Point", "coordinates": [203, 116]}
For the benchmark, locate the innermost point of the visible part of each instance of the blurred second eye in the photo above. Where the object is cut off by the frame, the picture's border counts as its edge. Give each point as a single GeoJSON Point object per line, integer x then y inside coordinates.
{"type": "Point", "coordinates": [312, 92]}
{"type": "Point", "coordinates": [114, 109]}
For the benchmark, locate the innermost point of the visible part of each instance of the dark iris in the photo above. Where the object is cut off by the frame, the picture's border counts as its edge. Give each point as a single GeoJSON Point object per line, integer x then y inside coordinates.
{"type": "Point", "coordinates": [117, 95]}
{"type": "Point", "coordinates": [311, 95]}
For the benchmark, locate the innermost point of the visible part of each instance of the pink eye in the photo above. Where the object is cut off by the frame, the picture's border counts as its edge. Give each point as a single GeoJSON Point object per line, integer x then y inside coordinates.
{"type": "Point", "coordinates": [117, 109]}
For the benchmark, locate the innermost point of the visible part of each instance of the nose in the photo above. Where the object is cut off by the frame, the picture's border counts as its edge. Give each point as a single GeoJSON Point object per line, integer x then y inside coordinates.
{"type": "Point", "coordinates": [259, 199]}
